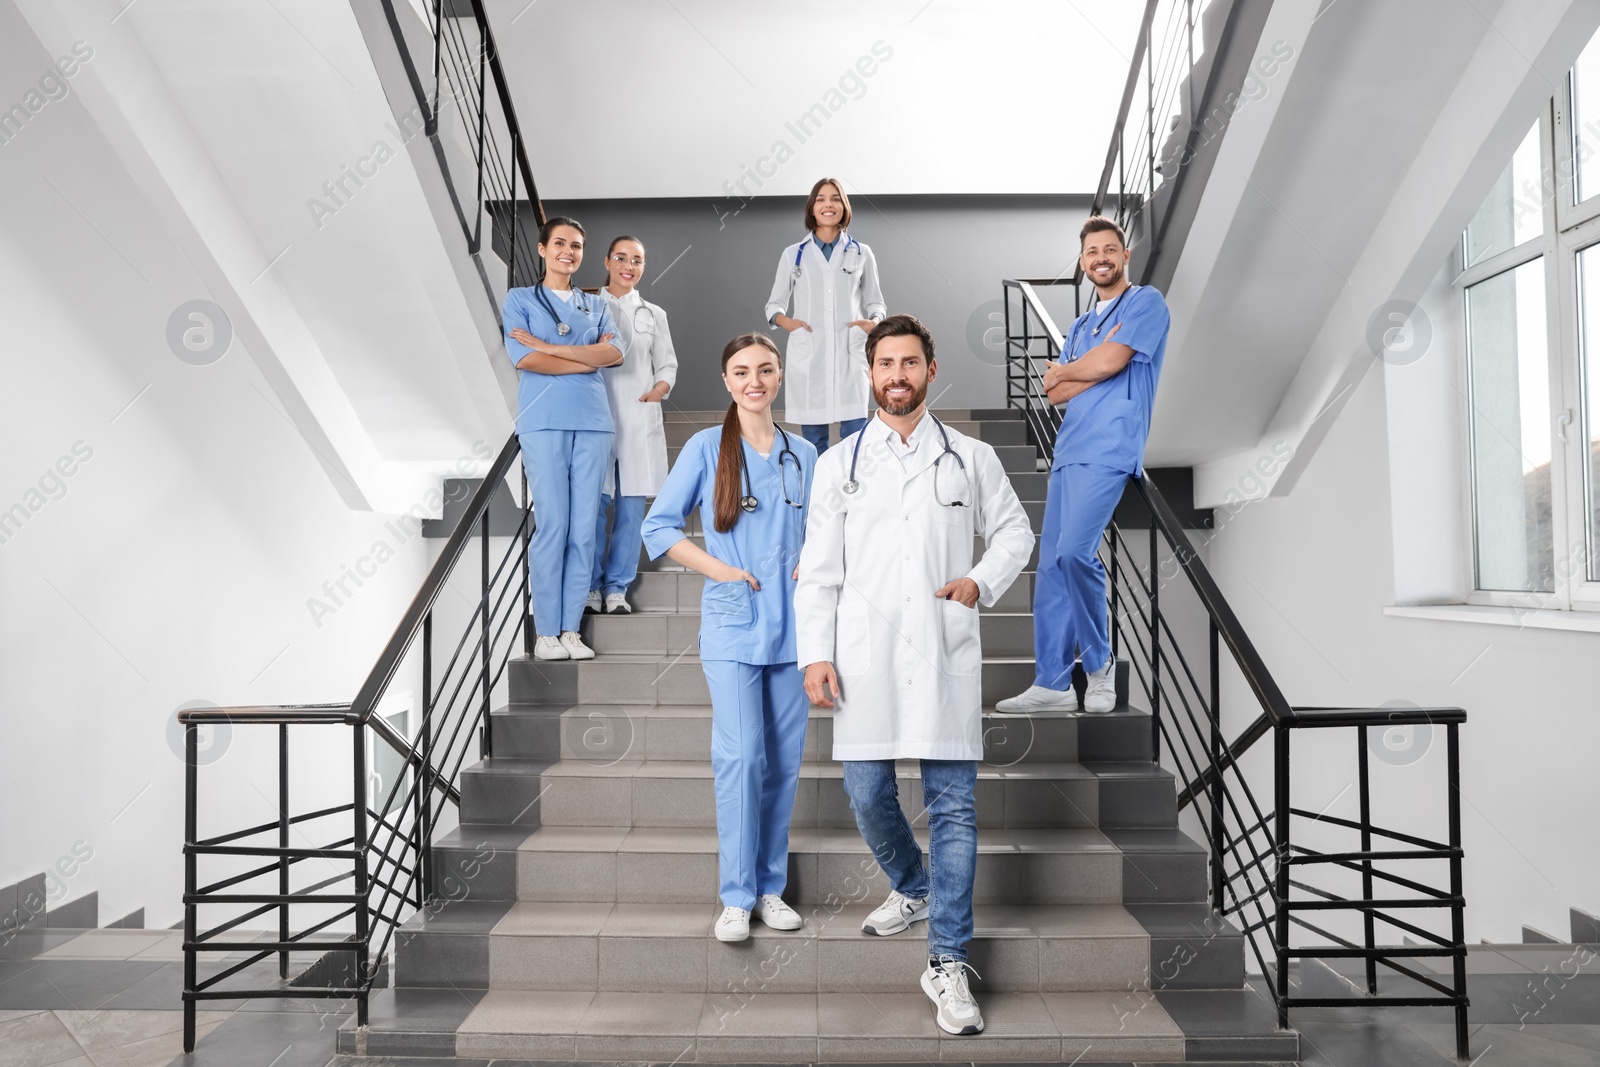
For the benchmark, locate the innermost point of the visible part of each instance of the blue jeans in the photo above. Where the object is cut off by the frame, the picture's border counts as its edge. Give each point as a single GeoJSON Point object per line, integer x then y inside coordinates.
{"type": "Point", "coordinates": [817, 434]}
{"type": "Point", "coordinates": [952, 846]}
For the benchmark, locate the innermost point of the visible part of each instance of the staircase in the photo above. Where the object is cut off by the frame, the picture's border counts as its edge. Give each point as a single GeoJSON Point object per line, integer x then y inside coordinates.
{"type": "Point", "coordinates": [574, 904]}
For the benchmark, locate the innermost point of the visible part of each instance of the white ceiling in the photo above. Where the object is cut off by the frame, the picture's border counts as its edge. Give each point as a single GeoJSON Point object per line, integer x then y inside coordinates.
{"type": "Point", "coordinates": [625, 98]}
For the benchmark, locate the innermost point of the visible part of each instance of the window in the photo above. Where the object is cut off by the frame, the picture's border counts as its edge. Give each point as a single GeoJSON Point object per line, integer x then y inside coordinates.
{"type": "Point", "coordinates": [1530, 300]}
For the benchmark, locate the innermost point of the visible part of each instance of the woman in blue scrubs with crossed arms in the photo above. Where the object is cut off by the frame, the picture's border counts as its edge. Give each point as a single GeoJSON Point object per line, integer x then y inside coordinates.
{"type": "Point", "coordinates": [559, 338]}
{"type": "Point", "coordinates": [751, 483]}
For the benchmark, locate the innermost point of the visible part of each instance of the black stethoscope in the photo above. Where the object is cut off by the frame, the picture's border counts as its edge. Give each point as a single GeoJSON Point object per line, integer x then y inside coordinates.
{"type": "Point", "coordinates": [749, 502]}
{"type": "Point", "coordinates": [844, 266]}
{"type": "Point", "coordinates": [578, 301]}
{"type": "Point", "coordinates": [1110, 311]}
{"type": "Point", "coordinates": [851, 485]}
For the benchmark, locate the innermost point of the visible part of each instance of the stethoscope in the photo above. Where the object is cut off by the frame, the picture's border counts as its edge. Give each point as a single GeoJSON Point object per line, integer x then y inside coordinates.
{"type": "Point", "coordinates": [749, 502]}
{"type": "Point", "coordinates": [851, 485]}
{"type": "Point", "coordinates": [578, 301]}
{"type": "Point", "coordinates": [845, 265]}
{"type": "Point", "coordinates": [1110, 311]}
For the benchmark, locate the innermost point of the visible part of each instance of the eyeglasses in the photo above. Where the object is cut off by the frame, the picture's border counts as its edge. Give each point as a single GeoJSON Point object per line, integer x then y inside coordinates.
{"type": "Point", "coordinates": [619, 259]}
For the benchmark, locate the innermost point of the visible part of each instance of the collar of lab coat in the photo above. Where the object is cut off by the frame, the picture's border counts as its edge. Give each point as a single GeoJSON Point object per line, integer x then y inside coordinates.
{"type": "Point", "coordinates": [925, 443]}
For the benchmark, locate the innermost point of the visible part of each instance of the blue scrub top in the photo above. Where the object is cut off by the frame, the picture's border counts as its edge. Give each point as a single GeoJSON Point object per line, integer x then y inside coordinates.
{"type": "Point", "coordinates": [737, 623]}
{"type": "Point", "coordinates": [1109, 422]}
{"type": "Point", "coordinates": [558, 401]}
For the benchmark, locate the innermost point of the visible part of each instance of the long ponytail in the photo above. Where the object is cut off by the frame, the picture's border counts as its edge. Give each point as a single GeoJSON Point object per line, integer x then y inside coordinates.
{"type": "Point", "coordinates": [730, 458]}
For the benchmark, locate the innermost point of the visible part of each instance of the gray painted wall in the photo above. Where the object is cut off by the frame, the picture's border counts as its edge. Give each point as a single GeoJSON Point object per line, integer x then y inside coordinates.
{"type": "Point", "coordinates": [941, 258]}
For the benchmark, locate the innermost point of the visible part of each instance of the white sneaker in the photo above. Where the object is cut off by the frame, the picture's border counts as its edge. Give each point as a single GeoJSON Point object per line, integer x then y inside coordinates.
{"type": "Point", "coordinates": [771, 909]}
{"type": "Point", "coordinates": [617, 604]}
{"type": "Point", "coordinates": [1038, 698]}
{"type": "Point", "coordinates": [591, 606]}
{"type": "Point", "coordinates": [733, 926]}
{"type": "Point", "coordinates": [1101, 695]}
{"type": "Point", "coordinates": [895, 914]}
{"type": "Point", "coordinates": [946, 986]}
{"type": "Point", "coordinates": [546, 647]}
{"type": "Point", "coordinates": [573, 643]}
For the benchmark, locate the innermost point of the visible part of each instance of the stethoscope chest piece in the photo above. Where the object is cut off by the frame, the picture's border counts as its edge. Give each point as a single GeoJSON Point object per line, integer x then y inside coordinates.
{"type": "Point", "coordinates": [562, 329]}
{"type": "Point", "coordinates": [851, 486]}
{"type": "Point", "coordinates": [748, 503]}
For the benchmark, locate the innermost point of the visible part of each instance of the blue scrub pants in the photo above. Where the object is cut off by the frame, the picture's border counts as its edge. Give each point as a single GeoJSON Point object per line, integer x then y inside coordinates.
{"type": "Point", "coordinates": [1070, 618]}
{"type": "Point", "coordinates": [947, 787]}
{"type": "Point", "coordinates": [817, 434]}
{"type": "Point", "coordinates": [616, 564]}
{"type": "Point", "coordinates": [758, 731]}
{"type": "Point", "coordinates": [566, 471]}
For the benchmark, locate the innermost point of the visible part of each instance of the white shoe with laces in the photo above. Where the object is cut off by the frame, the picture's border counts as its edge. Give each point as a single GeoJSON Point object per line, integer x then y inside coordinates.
{"type": "Point", "coordinates": [895, 914]}
{"type": "Point", "coordinates": [591, 606]}
{"type": "Point", "coordinates": [573, 643]}
{"type": "Point", "coordinates": [547, 647]}
{"type": "Point", "coordinates": [617, 604]}
{"type": "Point", "coordinates": [772, 911]}
{"type": "Point", "coordinates": [1101, 695]}
{"type": "Point", "coordinates": [946, 986]}
{"type": "Point", "coordinates": [733, 926]}
{"type": "Point", "coordinates": [1038, 698]}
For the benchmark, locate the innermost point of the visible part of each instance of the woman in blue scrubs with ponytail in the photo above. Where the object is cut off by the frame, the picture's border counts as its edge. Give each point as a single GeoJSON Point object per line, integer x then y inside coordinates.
{"type": "Point", "coordinates": [751, 483]}
{"type": "Point", "coordinates": [559, 338]}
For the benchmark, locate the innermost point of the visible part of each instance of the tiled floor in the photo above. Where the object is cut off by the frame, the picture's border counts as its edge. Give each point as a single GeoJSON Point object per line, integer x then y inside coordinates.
{"type": "Point", "coordinates": [111, 997]}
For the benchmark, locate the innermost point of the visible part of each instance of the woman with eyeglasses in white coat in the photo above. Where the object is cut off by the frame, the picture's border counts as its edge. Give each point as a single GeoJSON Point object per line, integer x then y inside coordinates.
{"type": "Point", "coordinates": [636, 387]}
{"type": "Point", "coordinates": [827, 297]}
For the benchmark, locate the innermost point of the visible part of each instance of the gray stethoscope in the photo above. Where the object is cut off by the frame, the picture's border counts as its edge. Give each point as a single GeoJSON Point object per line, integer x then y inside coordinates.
{"type": "Point", "coordinates": [850, 242]}
{"type": "Point", "coordinates": [578, 301]}
{"type": "Point", "coordinates": [851, 485]}
{"type": "Point", "coordinates": [749, 502]}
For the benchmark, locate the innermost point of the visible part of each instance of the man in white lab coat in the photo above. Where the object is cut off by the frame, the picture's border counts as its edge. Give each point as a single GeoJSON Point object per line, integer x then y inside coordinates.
{"type": "Point", "coordinates": [887, 629]}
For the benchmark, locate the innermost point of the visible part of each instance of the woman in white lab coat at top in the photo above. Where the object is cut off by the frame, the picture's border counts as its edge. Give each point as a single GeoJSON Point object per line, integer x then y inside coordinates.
{"type": "Point", "coordinates": [636, 388]}
{"type": "Point", "coordinates": [827, 297]}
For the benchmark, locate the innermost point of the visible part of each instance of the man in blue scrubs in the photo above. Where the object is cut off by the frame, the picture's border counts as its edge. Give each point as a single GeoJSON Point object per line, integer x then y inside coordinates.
{"type": "Point", "coordinates": [1107, 379]}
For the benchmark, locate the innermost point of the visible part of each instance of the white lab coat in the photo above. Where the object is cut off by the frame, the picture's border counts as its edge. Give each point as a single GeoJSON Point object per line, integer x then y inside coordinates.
{"type": "Point", "coordinates": [909, 664]}
{"type": "Point", "coordinates": [640, 444]}
{"type": "Point", "coordinates": [825, 368]}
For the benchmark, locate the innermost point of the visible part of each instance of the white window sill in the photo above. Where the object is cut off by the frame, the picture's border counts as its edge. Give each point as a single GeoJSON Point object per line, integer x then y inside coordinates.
{"type": "Point", "coordinates": [1537, 619]}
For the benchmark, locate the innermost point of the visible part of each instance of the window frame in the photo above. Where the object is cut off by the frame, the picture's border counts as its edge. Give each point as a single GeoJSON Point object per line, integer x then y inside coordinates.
{"type": "Point", "coordinates": [1568, 229]}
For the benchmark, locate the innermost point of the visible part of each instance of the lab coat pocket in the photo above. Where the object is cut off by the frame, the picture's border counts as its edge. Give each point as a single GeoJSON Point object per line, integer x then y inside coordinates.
{"type": "Point", "coordinates": [856, 338]}
{"type": "Point", "coordinates": [727, 606]}
{"type": "Point", "coordinates": [852, 639]}
{"type": "Point", "coordinates": [958, 639]}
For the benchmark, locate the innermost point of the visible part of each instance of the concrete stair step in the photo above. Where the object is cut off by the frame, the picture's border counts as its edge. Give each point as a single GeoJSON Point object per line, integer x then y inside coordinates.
{"type": "Point", "coordinates": [1025, 795]}
{"type": "Point", "coordinates": [602, 734]}
{"type": "Point", "coordinates": [667, 865]}
{"type": "Point", "coordinates": [1004, 633]}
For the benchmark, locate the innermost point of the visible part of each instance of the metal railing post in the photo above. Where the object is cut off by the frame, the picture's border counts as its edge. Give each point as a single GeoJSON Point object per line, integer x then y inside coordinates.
{"type": "Point", "coordinates": [283, 843]}
{"type": "Point", "coordinates": [364, 973]}
{"type": "Point", "coordinates": [1368, 924]}
{"type": "Point", "coordinates": [422, 778]}
{"type": "Point", "coordinates": [1218, 831]}
{"type": "Point", "coordinates": [1155, 646]}
{"type": "Point", "coordinates": [1457, 924]}
{"type": "Point", "coordinates": [1280, 799]}
{"type": "Point", "coordinates": [431, 126]}
{"type": "Point", "coordinates": [488, 736]}
{"type": "Point", "coordinates": [483, 159]}
{"type": "Point", "coordinates": [528, 519]}
{"type": "Point", "coordinates": [191, 783]}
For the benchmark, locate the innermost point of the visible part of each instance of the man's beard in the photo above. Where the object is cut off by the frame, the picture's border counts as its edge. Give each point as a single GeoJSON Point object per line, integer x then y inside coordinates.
{"type": "Point", "coordinates": [904, 407]}
{"type": "Point", "coordinates": [1116, 276]}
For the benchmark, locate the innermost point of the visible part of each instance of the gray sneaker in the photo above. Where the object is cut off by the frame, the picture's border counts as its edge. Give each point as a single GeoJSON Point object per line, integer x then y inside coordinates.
{"type": "Point", "coordinates": [946, 986]}
{"type": "Point", "coordinates": [895, 914]}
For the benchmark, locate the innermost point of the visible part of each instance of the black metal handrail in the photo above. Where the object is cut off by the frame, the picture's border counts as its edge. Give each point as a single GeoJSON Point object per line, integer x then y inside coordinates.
{"type": "Point", "coordinates": [384, 845]}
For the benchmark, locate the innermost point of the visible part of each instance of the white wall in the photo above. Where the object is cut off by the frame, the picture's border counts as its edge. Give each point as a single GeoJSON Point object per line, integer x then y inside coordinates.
{"type": "Point", "coordinates": [622, 99]}
{"type": "Point", "coordinates": [175, 562]}
{"type": "Point", "coordinates": [1309, 576]}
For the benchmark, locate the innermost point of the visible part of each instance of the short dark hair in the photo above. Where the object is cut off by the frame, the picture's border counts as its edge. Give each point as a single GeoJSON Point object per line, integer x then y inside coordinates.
{"type": "Point", "coordinates": [844, 198]}
{"type": "Point", "coordinates": [900, 326]}
{"type": "Point", "coordinates": [1098, 223]}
